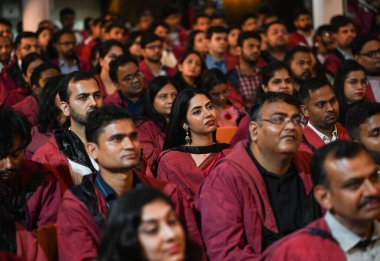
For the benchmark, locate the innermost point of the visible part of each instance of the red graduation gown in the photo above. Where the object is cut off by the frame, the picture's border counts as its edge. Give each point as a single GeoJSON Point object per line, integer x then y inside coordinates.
{"type": "Point", "coordinates": [234, 206]}
{"type": "Point", "coordinates": [313, 138]}
{"type": "Point", "coordinates": [27, 246]}
{"type": "Point", "coordinates": [28, 107]}
{"type": "Point", "coordinates": [38, 140]}
{"type": "Point", "coordinates": [242, 130]}
{"type": "Point", "coordinates": [79, 235]}
{"type": "Point", "coordinates": [302, 245]}
{"type": "Point", "coordinates": [151, 138]}
{"type": "Point", "coordinates": [148, 75]}
{"type": "Point", "coordinates": [116, 100]}
{"type": "Point", "coordinates": [295, 39]}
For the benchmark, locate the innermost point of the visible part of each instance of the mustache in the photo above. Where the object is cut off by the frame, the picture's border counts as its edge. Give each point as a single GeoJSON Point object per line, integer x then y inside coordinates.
{"type": "Point", "coordinates": [368, 200]}
{"type": "Point", "coordinates": [8, 171]}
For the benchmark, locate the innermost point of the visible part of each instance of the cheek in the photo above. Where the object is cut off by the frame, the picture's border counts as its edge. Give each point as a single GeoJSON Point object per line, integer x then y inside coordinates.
{"type": "Point", "coordinates": [151, 246]}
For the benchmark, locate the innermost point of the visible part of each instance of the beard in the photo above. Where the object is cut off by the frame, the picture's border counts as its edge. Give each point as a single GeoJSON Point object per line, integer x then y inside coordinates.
{"type": "Point", "coordinates": [306, 28]}
{"type": "Point", "coordinates": [249, 60]}
{"type": "Point", "coordinates": [70, 54]}
{"type": "Point", "coordinates": [80, 118]}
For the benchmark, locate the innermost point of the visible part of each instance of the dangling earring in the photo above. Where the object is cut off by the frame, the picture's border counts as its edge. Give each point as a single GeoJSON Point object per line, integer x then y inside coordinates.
{"type": "Point", "coordinates": [187, 137]}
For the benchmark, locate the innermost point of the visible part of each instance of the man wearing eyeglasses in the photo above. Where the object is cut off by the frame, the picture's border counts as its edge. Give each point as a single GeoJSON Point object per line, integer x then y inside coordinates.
{"type": "Point", "coordinates": [321, 106]}
{"type": "Point", "coordinates": [151, 48]}
{"type": "Point", "coordinates": [366, 51]}
{"type": "Point", "coordinates": [125, 73]}
{"type": "Point", "coordinates": [261, 191]}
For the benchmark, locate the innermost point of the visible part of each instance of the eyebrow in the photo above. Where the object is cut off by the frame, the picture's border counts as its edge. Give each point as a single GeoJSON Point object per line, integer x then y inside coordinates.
{"type": "Point", "coordinates": [373, 130]}
{"type": "Point", "coordinates": [359, 179]}
{"type": "Point", "coordinates": [87, 94]}
{"type": "Point", "coordinates": [285, 115]}
{"type": "Point", "coordinates": [152, 220]}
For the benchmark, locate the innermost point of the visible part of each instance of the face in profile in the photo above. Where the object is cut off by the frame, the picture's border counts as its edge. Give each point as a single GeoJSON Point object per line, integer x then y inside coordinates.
{"type": "Point", "coordinates": [160, 233]}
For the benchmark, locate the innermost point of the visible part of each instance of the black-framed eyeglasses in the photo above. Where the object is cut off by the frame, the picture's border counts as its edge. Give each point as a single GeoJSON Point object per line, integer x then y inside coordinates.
{"type": "Point", "coordinates": [372, 53]}
{"type": "Point", "coordinates": [131, 77]}
{"type": "Point", "coordinates": [284, 121]}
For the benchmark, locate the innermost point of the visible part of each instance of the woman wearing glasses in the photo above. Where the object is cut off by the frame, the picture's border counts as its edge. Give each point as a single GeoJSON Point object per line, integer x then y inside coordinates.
{"type": "Point", "coordinates": [152, 123]}
{"type": "Point", "coordinates": [350, 86]}
{"type": "Point", "coordinates": [190, 147]}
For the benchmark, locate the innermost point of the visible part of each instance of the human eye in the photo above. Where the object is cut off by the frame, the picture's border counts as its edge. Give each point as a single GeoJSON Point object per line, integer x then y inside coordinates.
{"type": "Point", "coordinates": [374, 134]}
{"type": "Point", "coordinates": [133, 136]}
{"type": "Point", "coordinates": [82, 98]}
{"type": "Point", "coordinates": [353, 185]}
{"type": "Point", "coordinates": [320, 104]}
{"type": "Point", "coordinates": [288, 81]}
{"type": "Point", "coordinates": [151, 230]}
{"type": "Point", "coordinates": [210, 106]}
{"type": "Point", "coordinates": [172, 220]}
{"type": "Point", "coordinates": [276, 81]}
{"type": "Point", "coordinates": [197, 112]}
{"type": "Point", "coordinates": [163, 96]}
{"type": "Point", "coordinates": [97, 96]}
{"type": "Point", "coordinates": [278, 119]}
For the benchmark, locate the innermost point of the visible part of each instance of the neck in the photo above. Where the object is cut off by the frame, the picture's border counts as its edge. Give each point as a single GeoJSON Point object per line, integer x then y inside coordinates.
{"type": "Point", "coordinates": [325, 131]}
{"type": "Point", "coordinates": [67, 61]}
{"type": "Point", "coordinates": [154, 67]}
{"type": "Point", "coordinates": [119, 182]}
{"type": "Point", "coordinates": [363, 230]}
{"type": "Point", "coordinates": [306, 33]}
{"type": "Point", "coordinates": [279, 55]}
{"type": "Point", "coordinates": [274, 163]}
{"type": "Point", "coordinates": [79, 130]}
{"type": "Point", "coordinates": [346, 50]}
{"type": "Point", "coordinates": [104, 75]}
{"type": "Point", "coordinates": [217, 56]}
{"type": "Point", "coordinates": [188, 80]}
{"type": "Point", "coordinates": [247, 68]}
{"type": "Point", "coordinates": [201, 140]}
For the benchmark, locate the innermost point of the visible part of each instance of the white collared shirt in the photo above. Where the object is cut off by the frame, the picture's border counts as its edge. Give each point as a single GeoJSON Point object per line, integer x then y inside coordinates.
{"type": "Point", "coordinates": [348, 240]}
{"type": "Point", "coordinates": [325, 139]}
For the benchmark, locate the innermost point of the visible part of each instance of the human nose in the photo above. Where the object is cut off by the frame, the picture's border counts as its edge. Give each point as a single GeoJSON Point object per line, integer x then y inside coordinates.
{"type": "Point", "coordinates": [127, 143]}
{"type": "Point", "coordinates": [167, 232]}
{"type": "Point", "coordinates": [8, 162]}
{"type": "Point", "coordinates": [370, 188]}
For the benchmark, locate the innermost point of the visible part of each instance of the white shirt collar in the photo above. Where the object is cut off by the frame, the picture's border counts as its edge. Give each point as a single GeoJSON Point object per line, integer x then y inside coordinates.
{"type": "Point", "coordinates": [325, 139]}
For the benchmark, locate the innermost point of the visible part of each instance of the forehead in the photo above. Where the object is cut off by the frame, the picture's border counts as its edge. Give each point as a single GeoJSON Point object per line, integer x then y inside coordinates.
{"type": "Point", "coordinates": [83, 86]}
{"type": "Point", "coordinates": [301, 56]}
{"type": "Point", "coordinates": [270, 108]}
{"type": "Point", "coordinates": [157, 42]}
{"type": "Point", "coordinates": [167, 88]}
{"type": "Point", "coordinates": [49, 73]}
{"type": "Point", "coordinates": [356, 74]}
{"type": "Point", "coordinates": [346, 27]}
{"type": "Point", "coordinates": [28, 40]}
{"type": "Point", "coordinates": [128, 68]}
{"type": "Point", "coordinates": [276, 27]}
{"type": "Point", "coordinates": [303, 16]}
{"type": "Point", "coordinates": [371, 46]}
{"type": "Point", "coordinates": [371, 123]}
{"type": "Point", "coordinates": [324, 92]}
{"type": "Point", "coordinates": [67, 36]}
{"type": "Point", "coordinates": [192, 56]}
{"type": "Point", "coordinates": [4, 27]}
{"type": "Point", "coordinates": [218, 35]}
{"type": "Point", "coordinates": [115, 49]}
{"type": "Point", "coordinates": [280, 73]}
{"type": "Point", "coordinates": [198, 100]}
{"type": "Point", "coordinates": [157, 209]}
{"type": "Point", "coordinates": [250, 41]}
{"type": "Point", "coordinates": [359, 166]}
{"type": "Point", "coordinates": [122, 126]}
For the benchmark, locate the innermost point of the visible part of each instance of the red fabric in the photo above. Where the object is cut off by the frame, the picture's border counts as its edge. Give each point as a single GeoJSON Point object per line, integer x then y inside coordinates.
{"type": "Point", "coordinates": [295, 39]}
{"type": "Point", "coordinates": [102, 86]}
{"type": "Point", "coordinates": [84, 49]}
{"type": "Point", "coordinates": [180, 169]}
{"type": "Point", "coordinates": [301, 245]}
{"type": "Point", "coordinates": [234, 97]}
{"type": "Point", "coordinates": [242, 130]}
{"type": "Point", "coordinates": [79, 235]}
{"type": "Point", "coordinates": [43, 203]}
{"type": "Point", "coordinates": [8, 256]}
{"type": "Point", "coordinates": [27, 246]}
{"type": "Point", "coordinates": [38, 140]}
{"type": "Point", "coordinates": [51, 156]}
{"type": "Point", "coordinates": [332, 63]}
{"type": "Point", "coordinates": [15, 96]}
{"type": "Point", "coordinates": [6, 82]}
{"type": "Point", "coordinates": [151, 138]}
{"type": "Point", "coordinates": [116, 100]}
{"type": "Point", "coordinates": [316, 141]}
{"type": "Point", "coordinates": [148, 75]}
{"type": "Point", "coordinates": [28, 107]}
{"type": "Point", "coordinates": [231, 60]}
{"type": "Point", "coordinates": [234, 206]}
{"type": "Point", "coordinates": [369, 95]}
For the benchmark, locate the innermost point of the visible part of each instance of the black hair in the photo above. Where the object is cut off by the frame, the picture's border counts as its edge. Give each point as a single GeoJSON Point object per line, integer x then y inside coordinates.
{"type": "Point", "coordinates": [176, 134]}
{"type": "Point", "coordinates": [297, 49]}
{"type": "Point", "coordinates": [106, 46]}
{"type": "Point", "coordinates": [99, 118]}
{"type": "Point", "coordinates": [64, 91]}
{"type": "Point", "coordinates": [143, 12]}
{"type": "Point", "coordinates": [267, 26]}
{"type": "Point", "coordinates": [270, 97]}
{"type": "Point", "coordinates": [149, 112]}
{"type": "Point", "coordinates": [339, 21]}
{"type": "Point", "coordinates": [336, 150]}
{"type": "Point", "coordinates": [247, 35]}
{"type": "Point", "coordinates": [23, 35]}
{"type": "Point", "coordinates": [264, 8]}
{"type": "Point", "coordinates": [87, 23]}
{"type": "Point", "coordinates": [13, 125]}
{"type": "Point", "coordinates": [66, 11]}
{"type": "Point", "coordinates": [5, 22]}
{"type": "Point", "coordinates": [345, 68]}
{"type": "Point", "coordinates": [218, 15]}
{"type": "Point", "coordinates": [215, 30]}
{"type": "Point", "coordinates": [171, 9]}
{"type": "Point", "coordinates": [120, 234]}
{"type": "Point", "coordinates": [191, 38]}
{"type": "Point", "coordinates": [358, 114]}
{"type": "Point", "coordinates": [27, 60]}
{"type": "Point", "coordinates": [132, 38]}
{"type": "Point", "coordinates": [94, 52]}
{"type": "Point", "coordinates": [48, 112]}
{"type": "Point", "coordinates": [57, 36]}
{"type": "Point", "coordinates": [323, 28]}
{"type": "Point", "coordinates": [211, 78]}
{"type": "Point", "coordinates": [247, 16]}
{"type": "Point", "coordinates": [113, 25]}
{"type": "Point", "coordinates": [36, 75]}
{"type": "Point", "coordinates": [149, 37]}
{"type": "Point", "coordinates": [200, 15]}
{"type": "Point", "coordinates": [156, 24]}
{"type": "Point", "coordinates": [41, 29]}
{"type": "Point", "coordinates": [311, 85]}
{"type": "Point", "coordinates": [120, 61]}
{"type": "Point", "coordinates": [359, 41]}
{"type": "Point", "coordinates": [299, 12]}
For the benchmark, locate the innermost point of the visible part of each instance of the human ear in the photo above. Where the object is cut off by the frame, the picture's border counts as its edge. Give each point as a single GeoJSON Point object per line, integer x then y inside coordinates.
{"type": "Point", "coordinates": [253, 130]}
{"type": "Point", "coordinates": [323, 196]}
{"type": "Point", "coordinates": [304, 110]}
{"type": "Point", "coordinates": [92, 149]}
{"type": "Point", "coordinates": [65, 108]}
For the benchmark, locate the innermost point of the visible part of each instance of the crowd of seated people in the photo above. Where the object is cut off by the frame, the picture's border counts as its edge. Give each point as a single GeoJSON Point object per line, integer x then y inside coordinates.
{"type": "Point", "coordinates": [110, 136]}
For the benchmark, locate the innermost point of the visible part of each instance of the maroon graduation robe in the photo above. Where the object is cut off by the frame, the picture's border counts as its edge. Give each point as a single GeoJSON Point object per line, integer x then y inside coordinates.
{"type": "Point", "coordinates": [27, 246]}
{"type": "Point", "coordinates": [148, 75]}
{"type": "Point", "coordinates": [28, 107]}
{"type": "Point", "coordinates": [315, 141]}
{"type": "Point", "coordinates": [39, 139]}
{"type": "Point", "coordinates": [234, 206]}
{"type": "Point", "coordinates": [242, 130]}
{"type": "Point", "coordinates": [79, 234]}
{"type": "Point", "coordinates": [303, 245]}
{"type": "Point", "coordinates": [151, 138]}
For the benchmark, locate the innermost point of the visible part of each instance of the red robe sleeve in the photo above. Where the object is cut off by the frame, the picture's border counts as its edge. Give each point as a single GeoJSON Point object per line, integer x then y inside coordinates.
{"type": "Point", "coordinates": [242, 130]}
{"type": "Point", "coordinates": [27, 246]}
{"type": "Point", "coordinates": [332, 63]}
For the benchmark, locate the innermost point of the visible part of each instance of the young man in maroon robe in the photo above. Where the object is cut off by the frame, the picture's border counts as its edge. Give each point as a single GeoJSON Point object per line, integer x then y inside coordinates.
{"type": "Point", "coordinates": [321, 106]}
{"type": "Point", "coordinates": [261, 191]}
{"type": "Point", "coordinates": [304, 29]}
{"type": "Point", "coordinates": [29, 193]}
{"type": "Point", "coordinates": [151, 48]}
{"type": "Point", "coordinates": [65, 152]}
{"type": "Point", "coordinates": [11, 76]}
{"type": "Point", "coordinates": [112, 142]}
{"type": "Point", "coordinates": [347, 184]}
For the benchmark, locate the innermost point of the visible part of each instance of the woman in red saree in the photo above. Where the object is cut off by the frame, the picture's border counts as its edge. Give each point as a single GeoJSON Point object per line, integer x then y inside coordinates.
{"type": "Point", "coordinates": [190, 147]}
